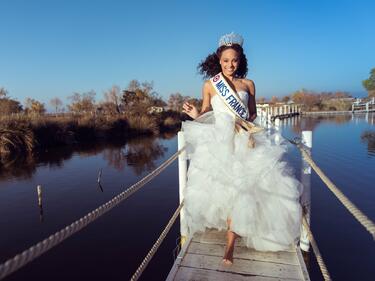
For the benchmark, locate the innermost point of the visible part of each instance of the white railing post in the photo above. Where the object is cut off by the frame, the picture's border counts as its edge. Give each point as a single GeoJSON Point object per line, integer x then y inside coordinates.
{"type": "Point", "coordinates": [306, 194]}
{"type": "Point", "coordinates": [269, 116]}
{"type": "Point", "coordinates": [182, 179]}
{"type": "Point", "coordinates": [277, 127]}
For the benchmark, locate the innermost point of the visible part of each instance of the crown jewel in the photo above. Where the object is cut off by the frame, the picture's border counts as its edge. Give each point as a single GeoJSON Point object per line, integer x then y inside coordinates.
{"type": "Point", "coordinates": [230, 39]}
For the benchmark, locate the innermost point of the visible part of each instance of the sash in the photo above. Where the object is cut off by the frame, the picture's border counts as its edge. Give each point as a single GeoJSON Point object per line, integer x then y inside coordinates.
{"type": "Point", "coordinates": [231, 99]}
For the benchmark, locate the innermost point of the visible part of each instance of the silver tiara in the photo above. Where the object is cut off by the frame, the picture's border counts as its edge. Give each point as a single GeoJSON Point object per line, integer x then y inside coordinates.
{"type": "Point", "coordinates": [230, 39]}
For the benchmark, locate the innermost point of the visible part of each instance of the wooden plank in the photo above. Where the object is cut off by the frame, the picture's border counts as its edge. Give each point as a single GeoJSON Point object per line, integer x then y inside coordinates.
{"type": "Point", "coordinates": [177, 262]}
{"type": "Point", "coordinates": [244, 253]}
{"type": "Point", "coordinates": [213, 236]}
{"type": "Point", "coordinates": [187, 273]}
{"type": "Point", "coordinates": [302, 263]}
{"type": "Point", "coordinates": [243, 266]}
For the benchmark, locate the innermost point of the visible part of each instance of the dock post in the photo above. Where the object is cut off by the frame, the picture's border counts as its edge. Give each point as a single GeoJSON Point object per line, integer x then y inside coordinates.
{"type": "Point", "coordinates": [182, 178]}
{"type": "Point", "coordinates": [306, 194]}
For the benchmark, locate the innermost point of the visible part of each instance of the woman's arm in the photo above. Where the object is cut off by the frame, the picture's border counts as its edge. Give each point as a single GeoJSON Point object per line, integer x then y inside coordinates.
{"type": "Point", "coordinates": [206, 103]}
{"type": "Point", "coordinates": [192, 111]}
{"type": "Point", "coordinates": [252, 101]}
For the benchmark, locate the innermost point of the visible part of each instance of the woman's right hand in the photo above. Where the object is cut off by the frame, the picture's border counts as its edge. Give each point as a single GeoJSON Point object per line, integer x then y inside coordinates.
{"type": "Point", "coordinates": [190, 110]}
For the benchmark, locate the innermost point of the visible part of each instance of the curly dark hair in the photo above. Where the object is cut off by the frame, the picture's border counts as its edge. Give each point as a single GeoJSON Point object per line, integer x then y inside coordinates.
{"type": "Point", "coordinates": [211, 65]}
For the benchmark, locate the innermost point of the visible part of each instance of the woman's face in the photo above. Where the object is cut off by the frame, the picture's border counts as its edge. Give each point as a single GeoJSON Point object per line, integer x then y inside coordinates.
{"type": "Point", "coordinates": [229, 62]}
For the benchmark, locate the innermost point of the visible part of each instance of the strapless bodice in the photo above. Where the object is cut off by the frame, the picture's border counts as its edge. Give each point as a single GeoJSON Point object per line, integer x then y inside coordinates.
{"type": "Point", "coordinates": [218, 105]}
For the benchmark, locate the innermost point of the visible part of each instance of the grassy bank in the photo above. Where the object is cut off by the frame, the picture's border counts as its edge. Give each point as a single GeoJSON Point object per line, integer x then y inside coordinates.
{"type": "Point", "coordinates": [22, 134]}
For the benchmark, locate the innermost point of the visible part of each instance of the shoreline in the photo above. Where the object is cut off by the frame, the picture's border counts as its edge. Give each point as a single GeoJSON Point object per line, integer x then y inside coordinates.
{"type": "Point", "coordinates": [336, 112]}
{"type": "Point", "coordinates": [24, 135]}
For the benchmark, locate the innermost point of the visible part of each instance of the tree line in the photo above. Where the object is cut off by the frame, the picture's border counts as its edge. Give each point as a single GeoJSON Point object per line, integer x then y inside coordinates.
{"type": "Point", "coordinates": [139, 97]}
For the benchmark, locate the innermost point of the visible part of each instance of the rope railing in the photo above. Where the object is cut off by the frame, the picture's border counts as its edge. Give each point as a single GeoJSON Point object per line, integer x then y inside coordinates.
{"type": "Point", "coordinates": [40, 248]}
{"type": "Point", "coordinates": [318, 256]}
{"type": "Point", "coordinates": [155, 247]}
{"type": "Point", "coordinates": [353, 209]}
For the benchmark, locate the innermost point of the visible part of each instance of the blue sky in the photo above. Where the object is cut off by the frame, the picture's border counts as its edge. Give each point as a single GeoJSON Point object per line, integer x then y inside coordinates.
{"type": "Point", "coordinates": [55, 48]}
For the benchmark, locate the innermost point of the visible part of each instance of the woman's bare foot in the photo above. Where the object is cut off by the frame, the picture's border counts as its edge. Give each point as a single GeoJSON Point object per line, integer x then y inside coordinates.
{"type": "Point", "coordinates": [229, 249]}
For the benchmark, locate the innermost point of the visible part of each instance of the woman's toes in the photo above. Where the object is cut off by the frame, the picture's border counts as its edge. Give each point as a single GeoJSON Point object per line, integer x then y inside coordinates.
{"type": "Point", "coordinates": [227, 262]}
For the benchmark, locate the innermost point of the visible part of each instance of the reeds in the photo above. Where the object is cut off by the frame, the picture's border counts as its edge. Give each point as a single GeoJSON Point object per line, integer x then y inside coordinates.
{"type": "Point", "coordinates": [16, 137]}
{"type": "Point", "coordinates": [21, 134]}
{"type": "Point", "coordinates": [143, 124]}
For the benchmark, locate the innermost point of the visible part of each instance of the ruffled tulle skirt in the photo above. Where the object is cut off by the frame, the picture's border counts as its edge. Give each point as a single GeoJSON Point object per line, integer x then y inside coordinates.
{"type": "Point", "coordinates": [250, 186]}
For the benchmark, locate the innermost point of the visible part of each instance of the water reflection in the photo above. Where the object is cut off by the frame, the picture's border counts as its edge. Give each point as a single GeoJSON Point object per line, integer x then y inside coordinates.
{"type": "Point", "coordinates": [369, 138]}
{"type": "Point", "coordinates": [139, 154]}
{"type": "Point", "coordinates": [142, 155]}
{"type": "Point", "coordinates": [309, 123]}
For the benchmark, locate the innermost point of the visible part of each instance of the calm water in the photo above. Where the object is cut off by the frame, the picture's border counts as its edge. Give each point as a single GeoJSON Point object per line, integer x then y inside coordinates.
{"type": "Point", "coordinates": [112, 247]}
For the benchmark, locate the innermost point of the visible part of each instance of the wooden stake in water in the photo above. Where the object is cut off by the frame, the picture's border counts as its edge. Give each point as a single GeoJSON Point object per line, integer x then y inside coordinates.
{"type": "Point", "coordinates": [99, 180]}
{"type": "Point", "coordinates": [99, 176]}
{"type": "Point", "coordinates": [39, 192]}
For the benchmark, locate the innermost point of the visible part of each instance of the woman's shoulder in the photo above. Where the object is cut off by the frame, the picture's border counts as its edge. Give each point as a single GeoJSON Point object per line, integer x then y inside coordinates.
{"type": "Point", "coordinates": [207, 85]}
{"type": "Point", "coordinates": [247, 81]}
{"type": "Point", "coordinates": [207, 88]}
{"type": "Point", "coordinates": [250, 85]}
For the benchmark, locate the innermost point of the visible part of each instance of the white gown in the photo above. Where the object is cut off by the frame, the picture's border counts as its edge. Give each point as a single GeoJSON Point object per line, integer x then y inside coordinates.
{"type": "Point", "coordinates": [227, 179]}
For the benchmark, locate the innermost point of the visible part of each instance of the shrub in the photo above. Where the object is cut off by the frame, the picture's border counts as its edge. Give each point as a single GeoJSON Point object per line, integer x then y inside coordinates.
{"type": "Point", "coordinates": [15, 137]}
{"type": "Point", "coordinates": [144, 124]}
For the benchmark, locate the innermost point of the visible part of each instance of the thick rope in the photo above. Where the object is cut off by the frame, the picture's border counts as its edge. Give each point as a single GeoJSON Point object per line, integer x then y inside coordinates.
{"type": "Point", "coordinates": [35, 251]}
{"type": "Point", "coordinates": [154, 248]}
{"type": "Point", "coordinates": [361, 217]}
{"type": "Point", "coordinates": [318, 256]}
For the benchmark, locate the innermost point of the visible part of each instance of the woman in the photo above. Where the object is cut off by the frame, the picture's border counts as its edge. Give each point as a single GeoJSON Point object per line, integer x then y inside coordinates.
{"type": "Point", "coordinates": [233, 184]}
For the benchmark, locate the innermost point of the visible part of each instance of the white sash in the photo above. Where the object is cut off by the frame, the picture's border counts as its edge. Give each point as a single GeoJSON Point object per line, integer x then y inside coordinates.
{"type": "Point", "coordinates": [234, 103]}
{"type": "Point", "coordinates": [229, 97]}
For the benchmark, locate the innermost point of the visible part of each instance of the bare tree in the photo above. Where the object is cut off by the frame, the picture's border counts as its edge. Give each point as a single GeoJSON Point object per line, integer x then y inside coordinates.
{"type": "Point", "coordinates": [82, 103]}
{"type": "Point", "coordinates": [274, 100]}
{"type": "Point", "coordinates": [56, 103]}
{"type": "Point", "coordinates": [3, 92]}
{"type": "Point", "coordinates": [176, 101]}
{"type": "Point", "coordinates": [113, 96]}
{"type": "Point", "coordinates": [133, 85]}
{"type": "Point", "coordinates": [33, 106]}
{"type": "Point", "coordinates": [369, 83]}
{"type": "Point", "coordinates": [261, 100]}
{"type": "Point", "coordinates": [138, 97]}
{"type": "Point", "coordinates": [286, 99]}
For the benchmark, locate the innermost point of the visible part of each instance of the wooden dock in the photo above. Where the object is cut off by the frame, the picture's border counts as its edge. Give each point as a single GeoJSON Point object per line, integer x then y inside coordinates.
{"type": "Point", "coordinates": [201, 257]}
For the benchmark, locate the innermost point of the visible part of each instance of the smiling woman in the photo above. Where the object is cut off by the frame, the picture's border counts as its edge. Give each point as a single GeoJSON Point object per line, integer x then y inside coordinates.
{"type": "Point", "coordinates": [233, 185]}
